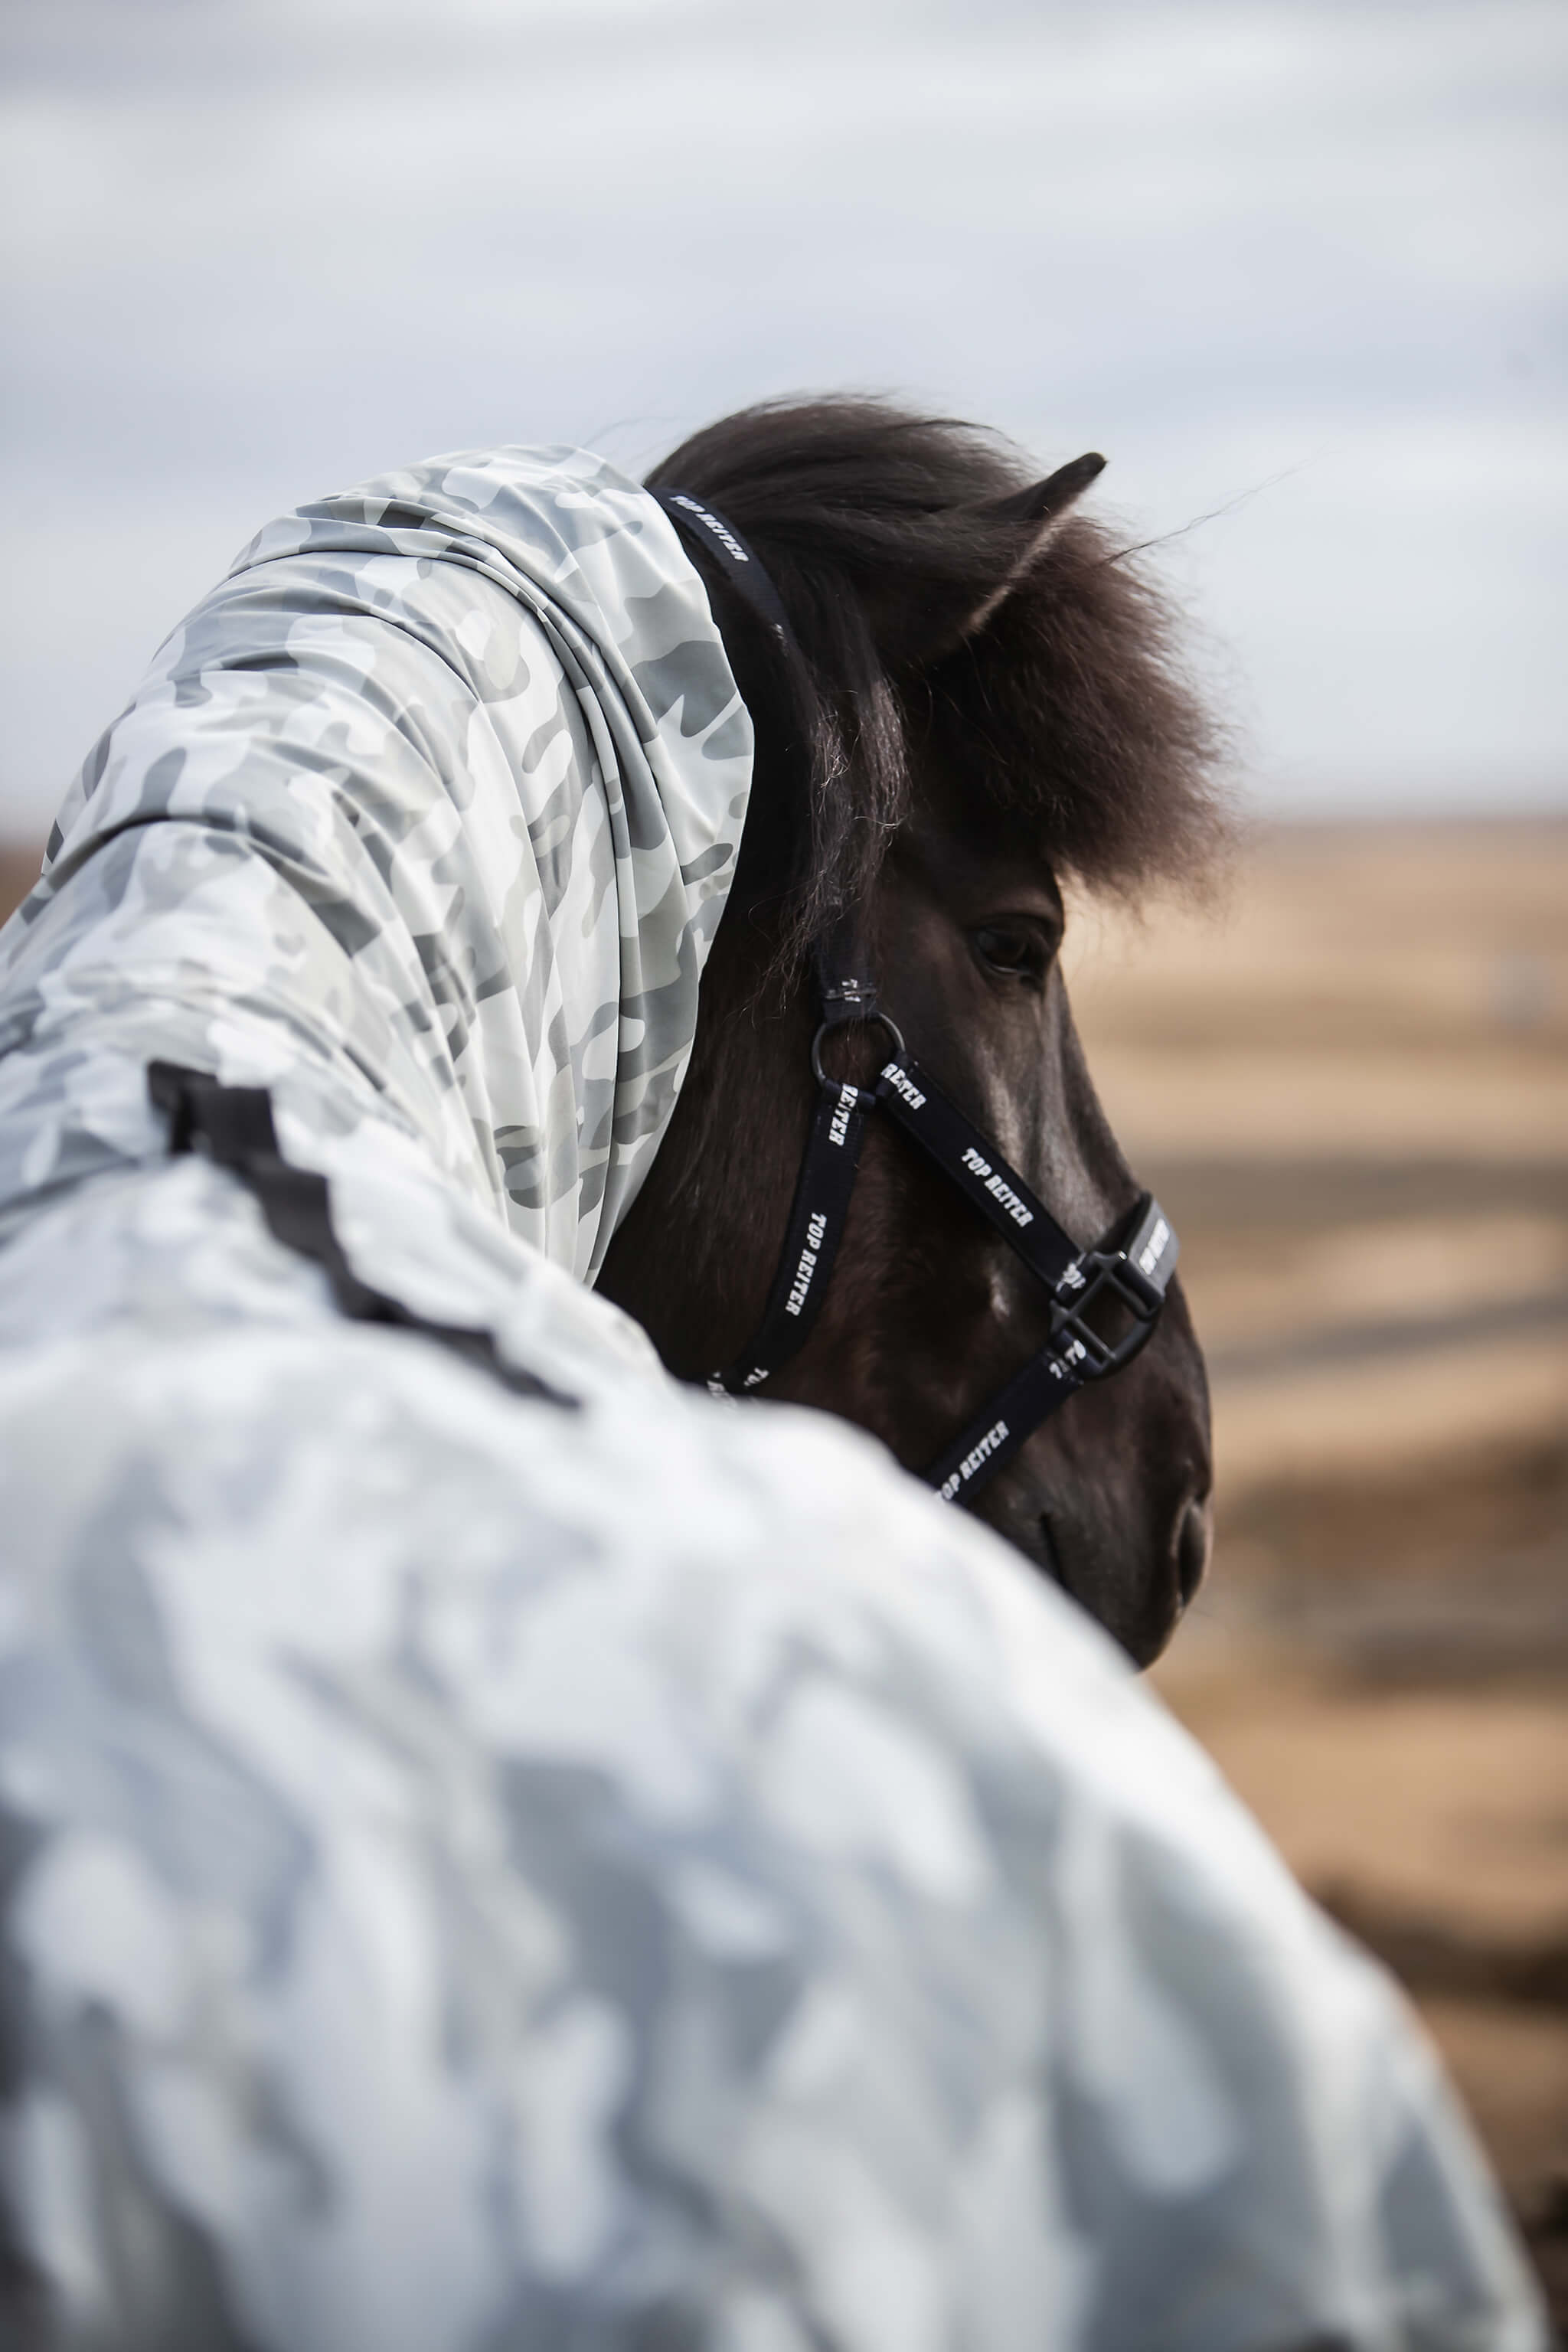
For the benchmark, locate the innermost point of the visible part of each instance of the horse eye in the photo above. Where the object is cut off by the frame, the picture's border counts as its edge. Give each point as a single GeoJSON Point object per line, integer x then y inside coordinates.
{"type": "Point", "coordinates": [1009, 948]}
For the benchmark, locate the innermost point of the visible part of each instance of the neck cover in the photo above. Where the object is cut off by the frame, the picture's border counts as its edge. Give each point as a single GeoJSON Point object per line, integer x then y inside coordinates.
{"type": "Point", "coordinates": [426, 814]}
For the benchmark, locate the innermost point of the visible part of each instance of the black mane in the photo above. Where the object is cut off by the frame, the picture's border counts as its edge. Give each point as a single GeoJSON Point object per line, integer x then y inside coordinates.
{"type": "Point", "coordinates": [1069, 709]}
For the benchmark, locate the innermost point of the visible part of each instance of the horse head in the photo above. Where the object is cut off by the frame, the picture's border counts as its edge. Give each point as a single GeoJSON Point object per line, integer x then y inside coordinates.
{"type": "Point", "coordinates": [980, 705]}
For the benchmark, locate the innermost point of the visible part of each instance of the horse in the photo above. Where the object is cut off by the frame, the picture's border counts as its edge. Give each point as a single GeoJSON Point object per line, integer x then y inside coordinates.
{"type": "Point", "coordinates": [986, 701]}
{"type": "Point", "coordinates": [505, 1850]}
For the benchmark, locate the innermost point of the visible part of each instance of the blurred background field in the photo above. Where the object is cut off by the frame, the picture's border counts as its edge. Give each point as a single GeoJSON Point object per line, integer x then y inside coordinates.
{"type": "Point", "coordinates": [1350, 1086]}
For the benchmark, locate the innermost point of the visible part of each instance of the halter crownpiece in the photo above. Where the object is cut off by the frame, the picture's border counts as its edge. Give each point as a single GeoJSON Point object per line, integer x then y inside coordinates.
{"type": "Point", "coordinates": [701, 527]}
{"type": "Point", "coordinates": [1104, 1300]}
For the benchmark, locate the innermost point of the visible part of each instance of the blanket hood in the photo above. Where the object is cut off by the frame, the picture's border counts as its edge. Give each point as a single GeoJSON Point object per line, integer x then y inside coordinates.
{"type": "Point", "coordinates": [434, 800]}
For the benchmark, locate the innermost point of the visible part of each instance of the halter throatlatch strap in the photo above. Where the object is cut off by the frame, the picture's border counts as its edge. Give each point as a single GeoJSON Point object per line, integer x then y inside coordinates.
{"type": "Point", "coordinates": [820, 1208]}
{"type": "Point", "coordinates": [233, 1125]}
{"type": "Point", "coordinates": [816, 1221]}
{"type": "Point", "coordinates": [1104, 1301]}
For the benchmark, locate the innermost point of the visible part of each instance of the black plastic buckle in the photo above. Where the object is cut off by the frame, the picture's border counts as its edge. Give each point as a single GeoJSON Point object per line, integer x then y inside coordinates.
{"type": "Point", "coordinates": [1111, 1278]}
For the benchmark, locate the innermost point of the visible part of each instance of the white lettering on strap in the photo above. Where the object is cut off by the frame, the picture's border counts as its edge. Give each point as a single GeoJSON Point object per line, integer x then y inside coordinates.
{"type": "Point", "coordinates": [806, 1267]}
{"type": "Point", "coordinates": [998, 1189]}
{"type": "Point", "coordinates": [903, 1085]}
{"type": "Point", "coordinates": [972, 1461]}
{"type": "Point", "coordinates": [1153, 1249]}
{"type": "Point", "coordinates": [726, 539]}
{"type": "Point", "coordinates": [1010, 1200]}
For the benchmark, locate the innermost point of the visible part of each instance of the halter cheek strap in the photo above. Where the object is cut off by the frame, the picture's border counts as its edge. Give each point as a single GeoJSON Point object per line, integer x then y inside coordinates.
{"type": "Point", "coordinates": [1104, 1301]}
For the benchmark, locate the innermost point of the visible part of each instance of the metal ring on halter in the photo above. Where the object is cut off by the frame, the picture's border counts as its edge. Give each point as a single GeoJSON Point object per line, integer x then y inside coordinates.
{"type": "Point", "coordinates": [831, 1085]}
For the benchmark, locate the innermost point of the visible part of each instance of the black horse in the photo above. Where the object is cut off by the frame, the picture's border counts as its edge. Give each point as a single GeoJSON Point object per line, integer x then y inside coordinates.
{"type": "Point", "coordinates": [982, 701]}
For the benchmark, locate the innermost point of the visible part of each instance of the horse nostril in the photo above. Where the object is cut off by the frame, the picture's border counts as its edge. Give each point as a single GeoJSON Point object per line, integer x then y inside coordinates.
{"type": "Point", "coordinates": [1193, 1531]}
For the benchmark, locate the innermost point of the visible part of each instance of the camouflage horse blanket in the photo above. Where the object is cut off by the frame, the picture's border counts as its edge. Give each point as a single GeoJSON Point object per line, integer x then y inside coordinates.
{"type": "Point", "coordinates": [616, 1869]}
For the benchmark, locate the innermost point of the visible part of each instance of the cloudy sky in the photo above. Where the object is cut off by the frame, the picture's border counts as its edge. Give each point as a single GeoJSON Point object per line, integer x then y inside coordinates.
{"type": "Point", "coordinates": [1297, 267]}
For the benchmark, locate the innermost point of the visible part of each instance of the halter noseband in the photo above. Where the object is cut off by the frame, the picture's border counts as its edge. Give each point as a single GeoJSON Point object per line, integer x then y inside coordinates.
{"type": "Point", "coordinates": [1104, 1301]}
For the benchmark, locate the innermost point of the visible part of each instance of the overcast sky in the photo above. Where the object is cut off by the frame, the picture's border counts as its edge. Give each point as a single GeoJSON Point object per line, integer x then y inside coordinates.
{"type": "Point", "coordinates": [1296, 265]}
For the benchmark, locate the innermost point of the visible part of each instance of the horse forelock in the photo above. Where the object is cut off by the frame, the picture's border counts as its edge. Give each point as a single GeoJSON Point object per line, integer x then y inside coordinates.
{"type": "Point", "coordinates": [1072, 716]}
{"type": "Point", "coordinates": [1075, 716]}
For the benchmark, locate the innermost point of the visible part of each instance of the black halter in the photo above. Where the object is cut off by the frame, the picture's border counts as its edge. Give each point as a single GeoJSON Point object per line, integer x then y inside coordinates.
{"type": "Point", "coordinates": [1104, 1301]}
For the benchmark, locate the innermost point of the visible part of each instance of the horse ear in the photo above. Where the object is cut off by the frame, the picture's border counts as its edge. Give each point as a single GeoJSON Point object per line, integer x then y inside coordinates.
{"type": "Point", "coordinates": [1037, 511]}
{"type": "Point", "coordinates": [1020, 524]}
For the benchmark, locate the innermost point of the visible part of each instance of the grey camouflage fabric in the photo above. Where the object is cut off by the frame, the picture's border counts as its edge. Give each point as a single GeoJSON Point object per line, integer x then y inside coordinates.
{"type": "Point", "coordinates": [480, 1874]}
